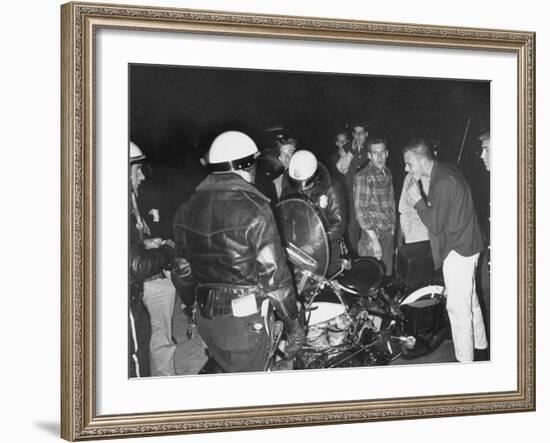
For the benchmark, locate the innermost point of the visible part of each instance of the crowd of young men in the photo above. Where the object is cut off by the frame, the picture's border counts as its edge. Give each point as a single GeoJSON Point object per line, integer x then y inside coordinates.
{"type": "Point", "coordinates": [226, 235]}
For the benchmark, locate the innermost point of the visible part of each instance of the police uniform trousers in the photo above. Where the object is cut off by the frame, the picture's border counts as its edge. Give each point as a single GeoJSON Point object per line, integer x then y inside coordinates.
{"type": "Point", "coordinates": [139, 336]}
{"type": "Point", "coordinates": [463, 306]}
{"type": "Point", "coordinates": [238, 344]}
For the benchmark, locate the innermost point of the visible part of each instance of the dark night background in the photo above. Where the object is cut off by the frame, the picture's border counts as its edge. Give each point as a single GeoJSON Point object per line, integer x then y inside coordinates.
{"type": "Point", "coordinates": [175, 112]}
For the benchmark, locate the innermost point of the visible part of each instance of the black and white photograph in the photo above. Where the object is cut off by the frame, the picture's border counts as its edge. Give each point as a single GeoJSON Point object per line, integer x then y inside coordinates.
{"type": "Point", "coordinates": [293, 218]}
{"type": "Point", "coordinates": [283, 221]}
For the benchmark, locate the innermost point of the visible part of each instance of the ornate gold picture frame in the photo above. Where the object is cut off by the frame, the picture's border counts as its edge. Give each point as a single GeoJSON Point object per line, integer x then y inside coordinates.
{"type": "Point", "coordinates": [79, 396]}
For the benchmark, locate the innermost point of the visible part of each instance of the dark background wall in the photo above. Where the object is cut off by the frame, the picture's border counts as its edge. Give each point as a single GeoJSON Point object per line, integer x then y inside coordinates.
{"type": "Point", "coordinates": [175, 112]}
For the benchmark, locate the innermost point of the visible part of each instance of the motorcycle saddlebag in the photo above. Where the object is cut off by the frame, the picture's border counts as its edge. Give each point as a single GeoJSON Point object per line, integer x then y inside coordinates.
{"type": "Point", "coordinates": [414, 263]}
{"type": "Point", "coordinates": [423, 316]}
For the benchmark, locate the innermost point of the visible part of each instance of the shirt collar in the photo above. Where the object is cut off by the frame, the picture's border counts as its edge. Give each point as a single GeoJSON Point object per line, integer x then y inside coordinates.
{"type": "Point", "coordinates": [372, 168]}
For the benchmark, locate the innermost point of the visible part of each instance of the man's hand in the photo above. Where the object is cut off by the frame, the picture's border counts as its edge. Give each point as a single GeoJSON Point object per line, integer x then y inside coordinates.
{"type": "Point", "coordinates": [169, 242]}
{"type": "Point", "coordinates": [414, 191]}
{"type": "Point", "coordinates": [152, 243]}
{"type": "Point", "coordinates": [376, 248]}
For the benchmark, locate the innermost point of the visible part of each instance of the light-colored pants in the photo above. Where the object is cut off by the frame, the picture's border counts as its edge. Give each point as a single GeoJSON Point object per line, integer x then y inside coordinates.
{"type": "Point", "coordinates": [365, 249]}
{"type": "Point", "coordinates": [159, 297]}
{"type": "Point", "coordinates": [463, 305]}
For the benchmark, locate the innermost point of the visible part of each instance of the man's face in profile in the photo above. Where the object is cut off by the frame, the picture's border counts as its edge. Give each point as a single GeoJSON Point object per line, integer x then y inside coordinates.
{"type": "Point", "coordinates": [486, 152]}
{"type": "Point", "coordinates": [412, 165]}
{"type": "Point", "coordinates": [136, 176]}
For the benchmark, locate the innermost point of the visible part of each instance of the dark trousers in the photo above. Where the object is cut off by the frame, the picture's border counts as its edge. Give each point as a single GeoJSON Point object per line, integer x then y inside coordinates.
{"type": "Point", "coordinates": [139, 336]}
{"type": "Point", "coordinates": [483, 286]}
{"type": "Point", "coordinates": [238, 344]}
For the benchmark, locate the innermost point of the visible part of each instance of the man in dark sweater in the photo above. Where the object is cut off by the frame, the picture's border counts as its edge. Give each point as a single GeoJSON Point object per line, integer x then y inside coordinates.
{"type": "Point", "coordinates": [456, 241]}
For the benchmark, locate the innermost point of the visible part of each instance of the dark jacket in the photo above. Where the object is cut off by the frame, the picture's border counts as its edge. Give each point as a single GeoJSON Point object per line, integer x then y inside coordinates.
{"type": "Point", "coordinates": [145, 263]}
{"type": "Point", "coordinates": [227, 232]}
{"type": "Point", "coordinates": [450, 217]}
{"type": "Point", "coordinates": [359, 161]}
{"type": "Point", "coordinates": [327, 197]}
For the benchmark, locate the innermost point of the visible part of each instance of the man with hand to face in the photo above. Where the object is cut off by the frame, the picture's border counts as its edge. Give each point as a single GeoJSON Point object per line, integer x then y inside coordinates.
{"type": "Point", "coordinates": [374, 204]}
{"type": "Point", "coordinates": [456, 241]}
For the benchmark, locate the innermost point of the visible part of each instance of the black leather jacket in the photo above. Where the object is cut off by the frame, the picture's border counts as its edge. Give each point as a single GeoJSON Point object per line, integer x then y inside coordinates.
{"type": "Point", "coordinates": [326, 195]}
{"type": "Point", "coordinates": [227, 232]}
{"type": "Point", "coordinates": [145, 263]}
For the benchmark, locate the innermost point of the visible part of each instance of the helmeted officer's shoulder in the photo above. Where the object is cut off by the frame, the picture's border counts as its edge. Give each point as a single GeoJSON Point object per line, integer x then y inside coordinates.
{"type": "Point", "coordinates": [254, 200]}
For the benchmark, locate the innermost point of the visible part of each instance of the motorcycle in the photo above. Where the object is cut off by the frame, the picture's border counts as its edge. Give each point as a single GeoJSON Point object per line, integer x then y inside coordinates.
{"type": "Point", "coordinates": [355, 317]}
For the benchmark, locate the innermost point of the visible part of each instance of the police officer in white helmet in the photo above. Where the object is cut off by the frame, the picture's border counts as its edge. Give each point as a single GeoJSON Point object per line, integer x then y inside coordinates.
{"type": "Point", "coordinates": [228, 233]}
{"type": "Point", "coordinates": [310, 180]}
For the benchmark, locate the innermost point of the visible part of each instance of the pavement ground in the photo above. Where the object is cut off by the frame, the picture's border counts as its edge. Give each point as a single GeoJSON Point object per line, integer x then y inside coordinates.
{"type": "Point", "coordinates": [191, 356]}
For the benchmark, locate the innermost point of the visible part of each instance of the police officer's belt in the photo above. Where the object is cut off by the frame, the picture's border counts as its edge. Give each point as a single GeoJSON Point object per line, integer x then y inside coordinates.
{"type": "Point", "coordinates": [216, 300]}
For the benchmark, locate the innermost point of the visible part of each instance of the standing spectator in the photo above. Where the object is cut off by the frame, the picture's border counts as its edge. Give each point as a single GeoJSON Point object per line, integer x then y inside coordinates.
{"type": "Point", "coordinates": [271, 177]}
{"type": "Point", "coordinates": [343, 156]}
{"type": "Point", "coordinates": [287, 148]}
{"type": "Point", "coordinates": [485, 155]}
{"type": "Point", "coordinates": [151, 293]}
{"type": "Point", "coordinates": [484, 272]}
{"type": "Point", "coordinates": [374, 203]}
{"type": "Point", "coordinates": [358, 161]}
{"type": "Point", "coordinates": [358, 149]}
{"type": "Point", "coordinates": [456, 241]}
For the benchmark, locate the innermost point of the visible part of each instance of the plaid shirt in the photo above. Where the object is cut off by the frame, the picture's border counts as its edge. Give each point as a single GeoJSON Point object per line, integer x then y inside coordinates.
{"type": "Point", "coordinates": [374, 199]}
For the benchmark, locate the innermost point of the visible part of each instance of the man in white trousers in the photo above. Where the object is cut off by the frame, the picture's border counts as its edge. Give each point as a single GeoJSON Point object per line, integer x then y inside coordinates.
{"type": "Point", "coordinates": [456, 241]}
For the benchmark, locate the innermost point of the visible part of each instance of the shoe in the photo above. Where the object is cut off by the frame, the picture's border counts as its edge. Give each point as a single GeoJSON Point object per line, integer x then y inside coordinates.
{"type": "Point", "coordinates": [481, 354]}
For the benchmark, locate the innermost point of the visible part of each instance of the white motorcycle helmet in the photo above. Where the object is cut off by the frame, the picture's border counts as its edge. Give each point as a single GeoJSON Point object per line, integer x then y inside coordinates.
{"type": "Point", "coordinates": [232, 151]}
{"type": "Point", "coordinates": [136, 155]}
{"type": "Point", "coordinates": [302, 169]}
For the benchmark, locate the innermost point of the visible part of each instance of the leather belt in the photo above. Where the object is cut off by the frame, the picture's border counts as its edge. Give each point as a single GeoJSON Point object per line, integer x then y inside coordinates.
{"type": "Point", "coordinates": [156, 276]}
{"type": "Point", "coordinates": [215, 300]}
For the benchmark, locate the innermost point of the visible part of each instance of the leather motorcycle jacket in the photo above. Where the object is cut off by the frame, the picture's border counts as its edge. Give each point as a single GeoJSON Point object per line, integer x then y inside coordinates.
{"type": "Point", "coordinates": [227, 232]}
{"type": "Point", "coordinates": [145, 263]}
{"type": "Point", "coordinates": [327, 197]}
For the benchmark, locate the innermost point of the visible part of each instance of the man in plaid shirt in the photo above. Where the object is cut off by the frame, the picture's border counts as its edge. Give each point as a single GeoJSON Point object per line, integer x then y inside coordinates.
{"type": "Point", "coordinates": [375, 205]}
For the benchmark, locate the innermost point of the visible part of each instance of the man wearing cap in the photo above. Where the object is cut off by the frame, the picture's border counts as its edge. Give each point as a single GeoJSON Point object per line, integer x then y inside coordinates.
{"type": "Point", "coordinates": [455, 240]}
{"type": "Point", "coordinates": [228, 233]}
{"type": "Point", "coordinates": [152, 295]}
{"type": "Point", "coordinates": [374, 203]}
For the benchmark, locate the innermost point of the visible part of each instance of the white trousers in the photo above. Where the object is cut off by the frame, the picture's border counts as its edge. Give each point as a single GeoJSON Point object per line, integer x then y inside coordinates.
{"type": "Point", "coordinates": [159, 297]}
{"type": "Point", "coordinates": [463, 305]}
